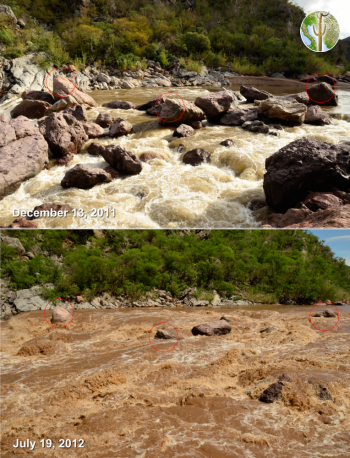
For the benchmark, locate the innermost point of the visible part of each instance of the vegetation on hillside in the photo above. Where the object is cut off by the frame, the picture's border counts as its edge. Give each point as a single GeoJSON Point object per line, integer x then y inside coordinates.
{"type": "Point", "coordinates": [264, 265]}
{"type": "Point", "coordinates": [251, 37]}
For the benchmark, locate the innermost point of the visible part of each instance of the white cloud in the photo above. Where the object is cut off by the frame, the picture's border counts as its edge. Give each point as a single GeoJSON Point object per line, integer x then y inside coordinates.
{"type": "Point", "coordinates": [339, 237]}
{"type": "Point", "coordinates": [340, 9]}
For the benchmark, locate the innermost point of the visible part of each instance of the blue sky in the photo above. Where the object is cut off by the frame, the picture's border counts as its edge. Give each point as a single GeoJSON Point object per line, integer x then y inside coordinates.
{"type": "Point", "coordinates": [337, 239]}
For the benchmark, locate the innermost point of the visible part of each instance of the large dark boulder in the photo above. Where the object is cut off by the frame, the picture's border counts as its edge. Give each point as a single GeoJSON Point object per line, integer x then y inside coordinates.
{"type": "Point", "coordinates": [252, 93]}
{"type": "Point", "coordinates": [23, 153]}
{"type": "Point", "coordinates": [176, 112]}
{"type": "Point", "coordinates": [238, 116]}
{"type": "Point", "coordinates": [119, 104]}
{"type": "Point", "coordinates": [120, 127]}
{"type": "Point", "coordinates": [315, 115]}
{"type": "Point", "coordinates": [214, 103]}
{"type": "Point", "coordinates": [122, 160]}
{"type": "Point", "coordinates": [196, 157]}
{"type": "Point", "coordinates": [214, 328]}
{"type": "Point", "coordinates": [104, 120]}
{"type": "Point", "coordinates": [151, 103]}
{"type": "Point", "coordinates": [83, 177]}
{"type": "Point", "coordinates": [32, 109]}
{"type": "Point", "coordinates": [64, 134]}
{"type": "Point", "coordinates": [305, 165]}
{"type": "Point", "coordinates": [322, 94]}
{"type": "Point", "coordinates": [38, 95]}
{"type": "Point", "coordinates": [78, 111]}
{"type": "Point", "coordinates": [272, 393]}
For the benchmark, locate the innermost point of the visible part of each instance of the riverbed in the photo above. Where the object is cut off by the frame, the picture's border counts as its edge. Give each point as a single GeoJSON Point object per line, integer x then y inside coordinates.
{"type": "Point", "coordinates": [168, 193]}
{"type": "Point", "coordinates": [102, 380]}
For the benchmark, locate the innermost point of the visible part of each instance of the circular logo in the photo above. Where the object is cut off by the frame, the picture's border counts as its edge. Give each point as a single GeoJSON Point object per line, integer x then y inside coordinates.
{"type": "Point", "coordinates": [320, 31]}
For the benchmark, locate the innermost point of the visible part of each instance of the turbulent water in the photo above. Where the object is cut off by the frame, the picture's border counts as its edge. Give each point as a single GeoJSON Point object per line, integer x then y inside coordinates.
{"type": "Point", "coordinates": [100, 380]}
{"type": "Point", "coordinates": [168, 193]}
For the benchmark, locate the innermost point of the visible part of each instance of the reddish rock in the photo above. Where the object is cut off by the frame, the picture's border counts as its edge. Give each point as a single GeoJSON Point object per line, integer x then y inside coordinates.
{"type": "Point", "coordinates": [48, 208]}
{"type": "Point", "coordinates": [23, 127]}
{"type": "Point", "coordinates": [38, 95]}
{"type": "Point", "coordinates": [322, 93]}
{"type": "Point", "coordinates": [121, 160]}
{"type": "Point", "coordinates": [22, 223]}
{"type": "Point", "coordinates": [78, 111]}
{"type": "Point", "coordinates": [214, 328]}
{"type": "Point", "coordinates": [4, 118]}
{"type": "Point", "coordinates": [145, 157]}
{"type": "Point", "coordinates": [63, 86]}
{"type": "Point", "coordinates": [196, 125]}
{"type": "Point", "coordinates": [272, 393]}
{"type": "Point", "coordinates": [64, 134]}
{"type": "Point", "coordinates": [214, 103]}
{"type": "Point", "coordinates": [284, 378]}
{"type": "Point", "coordinates": [196, 157]}
{"type": "Point", "coordinates": [227, 142]}
{"type": "Point", "coordinates": [104, 120]}
{"type": "Point", "coordinates": [32, 109]}
{"type": "Point", "coordinates": [338, 217]}
{"type": "Point", "coordinates": [183, 131]}
{"type": "Point", "coordinates": [315, 115]}
{"type": "Point", "coordinates": [120, 127]}
{"type": "Point", "coordinates": [238, 116]}
{"type": "Point", "coordinates": [119, 104]}
{"type": "Point", "coordinates": [83, 177]}
{"type": "Point", "coordinates": [7, 134]}
{"type": "Point", "coordinates": [305, 165]}
{"type": "Point", "coordinates": [251, 93]}
{"type": "Point", "coordinates": [321, 200]}
{"type": "Point", "coordinates": [61, 315]}
{"type": "Point", "coordinates": [114, 173]}
{"type": "Point", "coordinates": [79, 299]}
{"type": "Point", "coordinates": [95, 149]}
{"type": "Point", "coordinates": [93, 130]}
{"type": "Point", "coordinates": [176, 112]}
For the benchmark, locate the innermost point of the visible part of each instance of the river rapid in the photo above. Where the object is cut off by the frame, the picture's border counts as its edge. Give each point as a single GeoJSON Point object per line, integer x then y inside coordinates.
{"type": "Point", "coordinates": [168, 193]}
{"type": "Point", "coordinates": [100, 380]}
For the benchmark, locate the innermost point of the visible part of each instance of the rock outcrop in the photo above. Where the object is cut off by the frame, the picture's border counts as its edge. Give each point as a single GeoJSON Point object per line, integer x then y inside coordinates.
{"type": "Point", "coordinates": [83, 177]}
{"type": "Point", "coordinates": [305, 165]}
{"type": "Point", "coordinates": [64, 134]}
{"type": "Point", "coordinates": [214, 328]}
{"type": "Point", "coordinates": [24, 153]}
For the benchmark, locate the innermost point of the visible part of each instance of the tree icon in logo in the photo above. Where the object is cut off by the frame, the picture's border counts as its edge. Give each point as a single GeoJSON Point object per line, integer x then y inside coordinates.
{"type": "Point", "coordinates": [320, 31]}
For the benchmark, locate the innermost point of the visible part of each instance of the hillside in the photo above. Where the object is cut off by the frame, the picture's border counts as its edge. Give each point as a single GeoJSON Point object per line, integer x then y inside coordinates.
{"type": "Point", "coordinates": [251, 37]}
{"type": "Point", "coordinates": [263, 266]}
{"type": "Point", "coordinates": [345, 43]}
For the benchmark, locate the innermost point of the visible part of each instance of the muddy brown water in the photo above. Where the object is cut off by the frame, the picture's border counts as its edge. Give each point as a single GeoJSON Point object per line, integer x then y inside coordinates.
{"type": "Point", "coordinates": [168, 193]}
{"type": "Point", "coordinates": [101, 381]}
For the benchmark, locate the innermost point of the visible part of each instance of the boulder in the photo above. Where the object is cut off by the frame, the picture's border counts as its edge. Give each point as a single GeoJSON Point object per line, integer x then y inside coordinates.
{"type": "Point", "coordinates": [14, 243]}
{"type": "Point", "coordinates": [120, 127]}
{"type": "Point", "coordinates": [256, 126]}
{"type": "Point", "coordinates": [214, 328]}
{"type": "Point", "coordinates": [38, 95]}
{"type": "Point", "coordinates": [22, 223]}
{"type": "Point", "coordinates": [79, 299]}
{"type": "Point", "coordinates": [122, 160]}
{"type": "Point", "coordinates": [183, 131]}
{"type": "Point", "coordinates": [315, 115]}
{"type": "Point", "coordinates": [78, 111]}
{"type": "Point", "coordinates": [83, 177]}
{"type": "Point", "coordinates": [7, 133]}
{"type": "Point", "coordinates": [238, 116]}
{"type": "Point", "coordinates": [214, 103]}
{"type": "Point", "coordinates": [272, 393]}
{"type": "Point", "coordinates": [63, 86]}
{"type": "Point", "coordinates": [166, 334]}
{"type": "Point", "coordinates": [328, 313]}
{"type": "Point", "coordinates": [176, 112]}
{"type": "Point", "coordinates": [22, 158]}
{"type": "Point", "coordinates": [151, 103]}
{"type": "Point", "coordinates": [196, 157]}
{"type": "Point", "coordinates": [119, 104]}
{"type": "Point", "coordinates": [61, 315]}
{"type": "Point", "coordinates": [32, 109]}
{"type": "Point", "coordinates": [300, 97]}
{"type": "Point", "coordinates": [322, 93]}
{"type": "Point", "coordinates": [95, 149]}
{"type": "Point", "coordinates": [61, 105]}
{"type": "Point", "coordinates": [305, 165]}
{"type": "Point", "coordinates": [251, 93]}
{"type": "Point", "coordinates": [44, 208]}
{"type": "Point", "coordinates": [104, 120]}
{"type": "Point", "coordinates": [287, 110]}
{"type": "Point", "coordinates": [197, 125]}
{"type": "Point", "coordinates": [93, 130]}
{"type": "Point", "coordinates": [321, 200]}
{"type": "Point", "coordinates": [145, 157]}
{"type": "Point", "coordinates": [227, 142]}
{"type": "Point", "coordinates": [64, 134]}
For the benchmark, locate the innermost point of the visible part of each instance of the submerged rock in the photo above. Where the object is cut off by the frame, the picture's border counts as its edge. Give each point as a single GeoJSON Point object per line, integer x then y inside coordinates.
{"type": "Point", "coordinates": [93, 130]}
{"type": "Point", "coordinates": [196, 157]}
{"type": "Point", "coordinates": [305, 165]}
{"type": "Point", "coordinates": [272, 393]}
{"type": "Point", "coordinates": [214, 328]}
{"type": "Point", "coordinates": [227, 142]}
{"type": "Point", "coordinates": [145, 157]}
{"type": "Point", "coordinates": [166, 334]}
{"type": "Point", "coordinates": [83, 177]}
{"type": "Point", "coordinates": [119, 104]}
